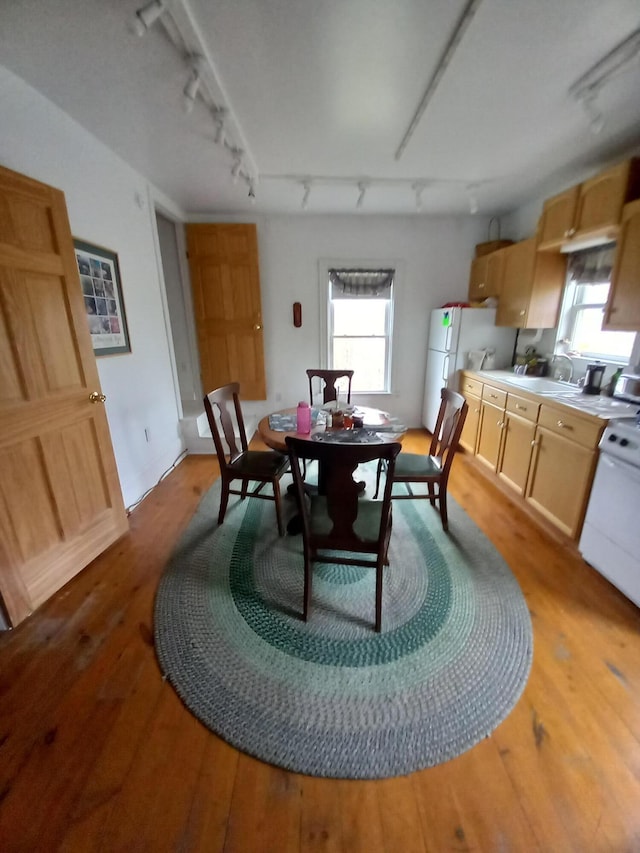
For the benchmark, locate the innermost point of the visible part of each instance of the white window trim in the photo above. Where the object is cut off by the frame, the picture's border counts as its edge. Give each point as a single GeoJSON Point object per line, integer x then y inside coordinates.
{"type": "Point", "coordinates": [324, 265]}
{"type": "Point", "coordinates": [566, 326]}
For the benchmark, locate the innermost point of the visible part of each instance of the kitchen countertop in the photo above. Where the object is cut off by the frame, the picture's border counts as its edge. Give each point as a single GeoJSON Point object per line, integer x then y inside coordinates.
{"type": "Point", "coordinates": [558, 393]}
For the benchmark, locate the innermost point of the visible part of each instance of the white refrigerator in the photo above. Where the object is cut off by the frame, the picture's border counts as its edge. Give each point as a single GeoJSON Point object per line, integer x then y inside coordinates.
{"type": "Point", "coordinates": [453, 334]}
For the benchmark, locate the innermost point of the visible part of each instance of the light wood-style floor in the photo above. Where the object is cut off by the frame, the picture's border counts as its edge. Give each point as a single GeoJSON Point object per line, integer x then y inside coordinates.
{"type": "Point", "coordinates": [98, 753]}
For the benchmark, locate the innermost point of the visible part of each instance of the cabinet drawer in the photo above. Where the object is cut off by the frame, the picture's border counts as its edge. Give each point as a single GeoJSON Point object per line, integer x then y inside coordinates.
{"type": "Point", "coordinates": [494, 396]}
{"type": "Point", "coordinates": [581, 431]}
{"type": "Point", "coordinates": [523, 407]}
{"type": "Point", "coordinates": [471, 386]}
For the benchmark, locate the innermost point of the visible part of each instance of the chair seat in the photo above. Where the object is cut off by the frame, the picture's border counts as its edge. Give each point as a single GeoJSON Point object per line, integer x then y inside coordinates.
{"type": "Point", "coordinates": [261, 464]}
{"type": "Point", "coordinates": [366, 525]}
{"type": "Point", "coordinates": [417, 465]}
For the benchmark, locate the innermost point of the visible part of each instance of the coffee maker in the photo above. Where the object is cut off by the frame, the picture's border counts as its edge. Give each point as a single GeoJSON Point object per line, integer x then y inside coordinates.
{"type": "Point", "coordinates": [593, 378]}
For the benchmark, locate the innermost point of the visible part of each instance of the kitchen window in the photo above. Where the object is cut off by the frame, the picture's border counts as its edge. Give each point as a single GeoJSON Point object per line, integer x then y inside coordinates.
{"type": "Point", "coordinates": [359, 325]}
{"type": "Point", "coordinates": [585, 298]}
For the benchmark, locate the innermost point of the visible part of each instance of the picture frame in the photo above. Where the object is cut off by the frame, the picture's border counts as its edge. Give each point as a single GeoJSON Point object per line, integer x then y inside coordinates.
{"type": "Point", "coordinates": [102, 291]}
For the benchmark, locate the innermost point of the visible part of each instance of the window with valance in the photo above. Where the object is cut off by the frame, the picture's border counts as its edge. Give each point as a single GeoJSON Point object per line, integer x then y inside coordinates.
{"type": "Point", "coordinates": [360, 325]}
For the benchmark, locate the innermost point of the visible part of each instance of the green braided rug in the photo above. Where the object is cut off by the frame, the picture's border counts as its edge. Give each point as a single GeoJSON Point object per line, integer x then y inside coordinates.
{"type": "Point", "coordinates": [331, 697]}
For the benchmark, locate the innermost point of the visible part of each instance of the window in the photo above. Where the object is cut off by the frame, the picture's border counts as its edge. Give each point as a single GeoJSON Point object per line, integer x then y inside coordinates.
{"type": "Point", "coordinates": [585, 297]}
{"type": "Point", "coordinates": [359, 326]}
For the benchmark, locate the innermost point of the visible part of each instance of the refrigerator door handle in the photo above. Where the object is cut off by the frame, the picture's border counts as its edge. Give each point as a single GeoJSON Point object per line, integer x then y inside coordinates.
{"type": "Point", "coordinates": [445, 369]}
{"type": "Point", "coordinates": [448, 336]}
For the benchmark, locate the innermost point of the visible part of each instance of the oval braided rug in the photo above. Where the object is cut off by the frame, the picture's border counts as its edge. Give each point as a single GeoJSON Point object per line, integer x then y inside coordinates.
{"type": "Point", "coordinates": [331, 697]}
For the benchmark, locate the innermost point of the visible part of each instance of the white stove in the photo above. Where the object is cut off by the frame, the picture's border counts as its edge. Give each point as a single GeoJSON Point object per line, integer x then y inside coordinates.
{"type": "Point", "coordinates": [610, 539]}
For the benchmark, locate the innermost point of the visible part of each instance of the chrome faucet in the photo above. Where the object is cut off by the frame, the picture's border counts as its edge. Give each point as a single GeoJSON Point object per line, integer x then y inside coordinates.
{"type": "Point", "coordinates": [562, 355]}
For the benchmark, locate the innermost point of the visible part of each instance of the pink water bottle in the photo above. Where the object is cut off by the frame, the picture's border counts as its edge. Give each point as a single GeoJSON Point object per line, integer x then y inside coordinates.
{"type": "Point", "coordinates": [303, 418]}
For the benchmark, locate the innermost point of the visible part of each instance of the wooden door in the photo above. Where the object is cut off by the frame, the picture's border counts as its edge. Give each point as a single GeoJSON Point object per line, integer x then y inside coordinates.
{"type": "Point", "coordinates": [623, 308]}
{"type": "Point", "coordinates": [478, 278]}
{"type": "Point", "coordinates": [225, 279]}
{"type": "Point", "coordinates": [60, 499]}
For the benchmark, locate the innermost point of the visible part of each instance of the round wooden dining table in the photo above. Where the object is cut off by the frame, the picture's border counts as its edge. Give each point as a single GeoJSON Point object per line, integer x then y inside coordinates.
{"type": "Point", "coordinates": [374, 420]}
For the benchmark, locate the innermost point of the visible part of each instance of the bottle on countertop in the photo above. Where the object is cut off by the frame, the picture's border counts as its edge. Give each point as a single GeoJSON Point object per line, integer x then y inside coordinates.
{"type": "Point", "coordinates": [611, 385]}
{"type": "Point", "coordinates": [303, 418]}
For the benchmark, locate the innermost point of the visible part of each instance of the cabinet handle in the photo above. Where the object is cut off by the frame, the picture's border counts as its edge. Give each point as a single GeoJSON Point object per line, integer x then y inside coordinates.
{"type": "Point", "coordinates": [522, 408]}
{"type": "Point", "coordinates": [566, 233]}
{"type": "Point", "coordinates": [572, 231]}
{"type": "Point", "coordinates": [563, 425]}
{"type": "Point", "coordinates": [535, 442]}
{"type": "Point", "coordinates": [476, 410]}
{"type": "Point", "coordinates": [481, 284]}
{"type": "Point", "coordinates": [493, 396]}
{"type": "Point", "coordinates": [521, 314]}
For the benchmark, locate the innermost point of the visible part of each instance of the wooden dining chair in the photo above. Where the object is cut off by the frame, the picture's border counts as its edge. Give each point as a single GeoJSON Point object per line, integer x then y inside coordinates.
{"type": "Point", "coordinates": [260, 466]}
{"type": "Point", "coordinates": [339, 520]}
{"type": "Point", "coordinates": [433, 468]}
{"type": "Point", "coordinates": [328, 381]}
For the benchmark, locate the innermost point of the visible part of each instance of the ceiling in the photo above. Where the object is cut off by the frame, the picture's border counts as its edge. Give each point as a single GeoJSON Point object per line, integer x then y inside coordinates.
{"type": "Point", "coordinates": [324, 93]}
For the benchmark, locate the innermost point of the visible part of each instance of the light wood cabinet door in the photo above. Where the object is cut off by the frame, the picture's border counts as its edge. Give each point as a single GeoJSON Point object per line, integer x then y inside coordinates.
{"type": "Point", "coordinates": [623, 308]}
{"type": "Point", "coordinates": [490, 434]}
{"type": "Point", "coordinates": [559, 480]}
{"type": "Point", "coordinates": [517, 281]}
{"type": "Point", "coordinates": [517, 447]}
{"type": "Point", "coordinates": [469, 434]}
{"type": "Point", "coordinates": [600, 204]}
{"type": "Point", "coordinates": [486, 276]}
{"type": "Point", "coordinates": [478, 278]}
{"type": "Point", "coordinates": [532, 285]}
{"type": "Point", "coordinates": [556, 222]}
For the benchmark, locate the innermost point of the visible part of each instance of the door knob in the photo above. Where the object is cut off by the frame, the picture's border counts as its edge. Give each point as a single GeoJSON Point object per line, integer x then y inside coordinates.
{"type": "Point", "coordinates": [97, 397]}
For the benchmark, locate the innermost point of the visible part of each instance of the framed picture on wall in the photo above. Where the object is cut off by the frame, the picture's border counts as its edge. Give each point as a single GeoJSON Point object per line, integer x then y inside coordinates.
{"type": "Point", "coordinates": [100, 281]}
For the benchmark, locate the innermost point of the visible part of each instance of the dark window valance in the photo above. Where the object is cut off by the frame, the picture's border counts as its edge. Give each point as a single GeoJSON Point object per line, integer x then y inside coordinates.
{"type": "Point", "coordinates": [361, 284]}
{"type": "Point", "coordinates": [592, 266]}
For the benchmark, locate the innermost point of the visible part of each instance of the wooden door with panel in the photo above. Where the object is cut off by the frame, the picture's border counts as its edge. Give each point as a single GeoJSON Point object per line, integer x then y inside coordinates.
{"type": "Point", "coordinates": [60, 497]}
{"type": "Point", "coordinates": [225, 280]}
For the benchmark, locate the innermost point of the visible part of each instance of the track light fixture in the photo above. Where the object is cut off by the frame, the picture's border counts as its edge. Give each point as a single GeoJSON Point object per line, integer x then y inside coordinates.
{"type": "Point", "coordinates": [362, 187]}
{"type": "Point", "coordinates": [418, 188]}
{"type": "Point", "coordinates": [596, 119]}
{"type": "Point", "coordinates": [589, 86]}
{"type": "Point", "coordinates": [305, 197]}
{"type": "Point", "coordinates": [219, 116]}
{"type": "Point", "coordinates": [237, 163]}
{"type": "Point", "coordinates": [473, 199]}
{"type": "Point", "coordinates": [190, 91]}
{"type": "Point", "coordinates": [251, 195]}
{"type": "Point", "coordinates": [146, 16]}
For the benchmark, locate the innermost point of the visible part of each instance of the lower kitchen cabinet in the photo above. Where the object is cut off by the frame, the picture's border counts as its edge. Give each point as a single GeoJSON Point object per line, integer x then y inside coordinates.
{"type": "Point", "coordinates": [559, 480]}
{"type": "Point", "coordinates": [517, 447]}
{"type": "Point", "coordinates": [472, 391]}
{"type": "Point", "coordinates": [544, 454]}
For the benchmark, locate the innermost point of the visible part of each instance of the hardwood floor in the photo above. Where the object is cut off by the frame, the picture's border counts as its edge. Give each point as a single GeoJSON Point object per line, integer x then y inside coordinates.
{"type": "Point", "coordinates": [98, 753]}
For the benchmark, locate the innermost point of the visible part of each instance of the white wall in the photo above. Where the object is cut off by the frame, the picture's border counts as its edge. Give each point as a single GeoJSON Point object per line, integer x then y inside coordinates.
{"type": "Point", "coordinates": [433, 256]}
{"type": "Point", "coordinates": [111, 205]}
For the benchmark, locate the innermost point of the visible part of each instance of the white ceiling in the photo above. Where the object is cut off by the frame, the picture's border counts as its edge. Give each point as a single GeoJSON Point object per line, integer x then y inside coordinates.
{"type": "Point", "coordinates": [327, 89]}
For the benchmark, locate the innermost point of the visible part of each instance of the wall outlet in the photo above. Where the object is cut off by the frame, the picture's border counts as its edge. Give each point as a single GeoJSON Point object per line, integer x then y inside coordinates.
{"type": "Point", "coordinates": [147, 434]}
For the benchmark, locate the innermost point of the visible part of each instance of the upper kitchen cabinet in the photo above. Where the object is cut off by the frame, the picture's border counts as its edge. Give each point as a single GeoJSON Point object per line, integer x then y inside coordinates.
{"type": "Point", "coordinates": [486, 276]}
{"type": "Point", "coordinates": [589, 211]}
{"type": "Point", "coordinates": [623, 308]}
{"type": "Point", "coordinates": [532, 285]}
